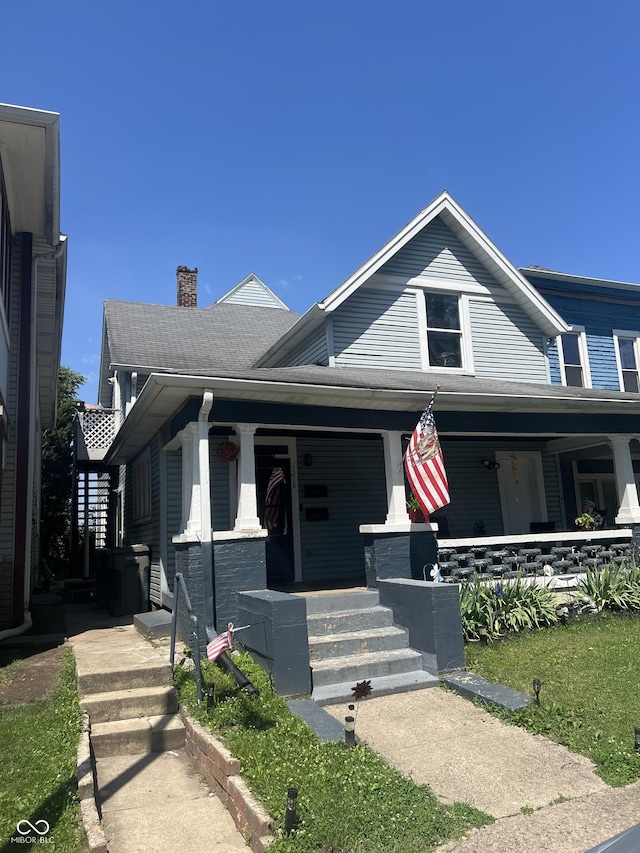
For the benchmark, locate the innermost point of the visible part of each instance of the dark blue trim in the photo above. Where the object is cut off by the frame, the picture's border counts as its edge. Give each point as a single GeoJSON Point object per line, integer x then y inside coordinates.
{"type": "Point", "coordinates": [543, 424]}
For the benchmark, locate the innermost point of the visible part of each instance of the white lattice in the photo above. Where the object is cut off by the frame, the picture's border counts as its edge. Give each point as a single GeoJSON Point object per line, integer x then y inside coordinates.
{"type": "Point", "coordinates": [98, 427]}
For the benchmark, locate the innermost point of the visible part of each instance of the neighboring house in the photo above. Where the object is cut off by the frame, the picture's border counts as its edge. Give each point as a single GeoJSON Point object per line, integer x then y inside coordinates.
{"type": "Point", "coordinates": [320, 407]}
{"type": "Point", "coordinates": [601, 351]}
{"type": "Point", "coordinates": [32, 288]}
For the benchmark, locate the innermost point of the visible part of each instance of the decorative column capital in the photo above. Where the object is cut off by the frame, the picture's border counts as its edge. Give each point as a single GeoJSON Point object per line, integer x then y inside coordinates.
{"type": "Point", "coordinates": [246, 429]}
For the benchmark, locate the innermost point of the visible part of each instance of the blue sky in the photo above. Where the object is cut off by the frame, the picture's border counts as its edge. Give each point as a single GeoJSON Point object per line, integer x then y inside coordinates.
{"type": "Point", "coordinates": [292, 139]}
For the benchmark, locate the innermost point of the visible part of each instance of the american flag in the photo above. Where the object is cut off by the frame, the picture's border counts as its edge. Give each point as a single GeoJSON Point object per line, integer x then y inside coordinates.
{"type": "Point", "coordinates": [220, 643]}
{"type": "Point", "coordinates": [274, 499]}
{"type": "Point", "coordinates": [424, 464]}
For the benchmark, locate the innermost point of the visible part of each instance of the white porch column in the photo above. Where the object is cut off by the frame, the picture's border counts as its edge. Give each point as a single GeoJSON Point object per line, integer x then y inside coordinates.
{"type": "Point", "coordinates": [247, 512]}
{"type": "Point", "coordinates": [204, 466]}
{"type": "Point", "coordinates": [190, 483]}
{"type": "Point", "coordinates": [629, 511]}
{"type": "Point", "coordinates": [394, 475]}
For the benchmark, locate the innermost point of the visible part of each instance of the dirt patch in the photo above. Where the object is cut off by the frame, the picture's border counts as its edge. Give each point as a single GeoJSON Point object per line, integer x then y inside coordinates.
{"type": "Point", "coordinates": [28, 674]}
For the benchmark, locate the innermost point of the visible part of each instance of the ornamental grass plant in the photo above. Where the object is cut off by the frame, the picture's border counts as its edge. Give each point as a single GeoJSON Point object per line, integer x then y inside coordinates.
{"type": "Point", "coordinates": [349, 801]}
{"type": "Point", "coordinates": [506, 607]}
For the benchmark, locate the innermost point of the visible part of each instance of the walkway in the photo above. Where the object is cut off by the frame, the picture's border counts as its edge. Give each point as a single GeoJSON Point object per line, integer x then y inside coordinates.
{"type": "Point", "coordinates": [152, 801]}
{"type": "Point", "coordinates": [466, 755]}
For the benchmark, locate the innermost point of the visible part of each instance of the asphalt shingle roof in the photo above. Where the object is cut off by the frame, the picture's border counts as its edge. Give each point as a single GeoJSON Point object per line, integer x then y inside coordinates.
{"type": "Point", "coordinates": [200, 341]}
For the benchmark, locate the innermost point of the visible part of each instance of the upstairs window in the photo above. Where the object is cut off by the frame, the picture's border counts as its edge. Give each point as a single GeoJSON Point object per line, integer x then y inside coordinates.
{"type": "Point", "coordinates": [444, 332]}
{"type": "Point", "coordinates": [574, 361]}
{"type": "Point", "coordinates": [628, 358]}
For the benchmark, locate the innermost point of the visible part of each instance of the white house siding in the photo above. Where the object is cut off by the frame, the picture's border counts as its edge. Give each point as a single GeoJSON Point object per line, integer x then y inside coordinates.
{"type": "Point", "coordinates": [314, 351]}
{"type": "Point", "coordinates": [252, 293]}
{"type": "Point", "coordinates": [474, 490]}
{"type": "Point", "coordinates": [506, 343]}
{"type": "Point", "coordinates": [436, 253]}
{"type": "Point", "coordinates": [8, 481]}
{"type": "Point", "coordinates": [378, 327]}
{"type": "Point", "coordinates": [353, 472]}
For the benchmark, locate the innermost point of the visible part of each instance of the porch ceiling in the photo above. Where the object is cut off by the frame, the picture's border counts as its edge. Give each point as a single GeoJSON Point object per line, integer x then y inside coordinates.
{"type": "Point", "coordinates": [164, 394]}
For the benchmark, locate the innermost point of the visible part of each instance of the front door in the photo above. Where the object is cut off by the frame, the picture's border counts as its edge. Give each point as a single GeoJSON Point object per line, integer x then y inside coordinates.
{"type": "Point", "coordinates": [273, 486]}
{"type": "Point", "coordinates": [521, 483]}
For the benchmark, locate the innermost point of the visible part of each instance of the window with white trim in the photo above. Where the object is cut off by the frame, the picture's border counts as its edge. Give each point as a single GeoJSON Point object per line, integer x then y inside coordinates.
{"type": "Point", "coordinates": [628, 359]}
{"type": "Point", "coordinates": [141, 477]}
{"type": "Point", "coordinates": [574, 359]}
{"type": "Point", "coordinates": [444, 330]}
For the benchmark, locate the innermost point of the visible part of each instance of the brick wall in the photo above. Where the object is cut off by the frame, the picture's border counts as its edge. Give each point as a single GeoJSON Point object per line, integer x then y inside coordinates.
{"type": "Point", "coordinates": [222, 774]}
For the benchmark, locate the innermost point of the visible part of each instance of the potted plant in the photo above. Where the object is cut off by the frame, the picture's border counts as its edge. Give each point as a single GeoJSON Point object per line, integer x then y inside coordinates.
{"type": "Point", "coordinates": [415, 511]}
{"type": "Point", "coordinates": [586, 522]}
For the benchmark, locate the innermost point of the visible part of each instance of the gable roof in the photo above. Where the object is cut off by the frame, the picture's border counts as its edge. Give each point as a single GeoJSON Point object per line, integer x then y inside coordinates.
{"type": "Point", "coordinates": [470, 235]}
{"type": "Point", "coordinates": [253, 291]}
{"type": "Point", "coordinates": [170, 339]}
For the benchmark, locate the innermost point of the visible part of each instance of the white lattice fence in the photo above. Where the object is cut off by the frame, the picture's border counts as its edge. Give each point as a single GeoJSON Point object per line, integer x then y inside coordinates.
{"type": "Point", "coordinates": [98, 427]}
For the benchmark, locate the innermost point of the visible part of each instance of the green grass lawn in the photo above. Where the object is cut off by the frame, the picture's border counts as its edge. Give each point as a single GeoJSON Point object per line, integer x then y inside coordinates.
{"type": "Point", "coordinates": [350, 800]}
{"type": "Point", "coordinates": [38, 743]}
{"type": "Point", "coordinates": [590, 700]}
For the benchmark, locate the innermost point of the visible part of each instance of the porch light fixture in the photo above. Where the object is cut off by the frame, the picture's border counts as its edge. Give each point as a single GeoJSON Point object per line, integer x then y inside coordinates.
{"type": "Point", "coordinates": [290, 812]}
{"type": "Point", "coordinates": [636, 745]}
{"type": "Point", "coordinates": [308, 460]}
{"type": "Point", "coordinates": [350, 731]}
{"type": "Point", "coordinates": [536, 689]}
{"type": "Point", "coordinates": [490, 465]}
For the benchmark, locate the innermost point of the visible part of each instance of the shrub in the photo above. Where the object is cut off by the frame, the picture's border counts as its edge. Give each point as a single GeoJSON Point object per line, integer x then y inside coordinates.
{"type": "Point", "coordinates": [506, 607]}
{"type": "Point", "coordinates": [613, 587]}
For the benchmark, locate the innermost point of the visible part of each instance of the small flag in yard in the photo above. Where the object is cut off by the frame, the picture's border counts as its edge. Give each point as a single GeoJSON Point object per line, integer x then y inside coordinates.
{"type": "Point", "coordinates": [220, 643]}
{"type": "Point", "coordinates": [424, 464]}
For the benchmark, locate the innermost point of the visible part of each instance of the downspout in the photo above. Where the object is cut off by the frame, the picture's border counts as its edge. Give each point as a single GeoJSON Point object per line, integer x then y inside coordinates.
{"type": "Point", "coordinates": [30, 418]}
{"type": "Point", "coordinates": [206, 538]}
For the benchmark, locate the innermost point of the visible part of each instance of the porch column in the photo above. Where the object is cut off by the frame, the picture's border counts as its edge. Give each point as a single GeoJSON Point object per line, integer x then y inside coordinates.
{"type": "Point", "coordinates": [247, 512]}
{"type": "Point", "coordinates": [394, 475]}
{"type": "Point", "coordinates": [190, 482]}
{"type": "Point", "coordinates": [629, 511]}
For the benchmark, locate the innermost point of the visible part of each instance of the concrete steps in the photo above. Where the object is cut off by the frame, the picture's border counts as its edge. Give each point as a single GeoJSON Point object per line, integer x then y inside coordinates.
{"type": "Point", "coordinates": [352, 639]}
{"type": "Point", "coordinates": [131, 705]}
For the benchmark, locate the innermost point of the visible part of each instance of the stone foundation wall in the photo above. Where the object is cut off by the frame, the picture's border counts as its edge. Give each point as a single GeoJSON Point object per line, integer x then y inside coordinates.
{"type": "Point", "coordinates": [221, 772]}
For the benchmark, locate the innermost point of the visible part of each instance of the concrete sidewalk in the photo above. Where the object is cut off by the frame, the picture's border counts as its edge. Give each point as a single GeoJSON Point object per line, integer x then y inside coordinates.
{"type": "Point", "coordinates": [466, 755]}
{"type": "Point", "coordinates": [155, 800]}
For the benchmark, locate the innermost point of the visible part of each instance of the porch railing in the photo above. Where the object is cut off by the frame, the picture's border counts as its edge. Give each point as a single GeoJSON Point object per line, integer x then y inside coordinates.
{"type": "Point", "coordinates": [179, 586]}
{"type": "Point", "coordinates": [544, 554]}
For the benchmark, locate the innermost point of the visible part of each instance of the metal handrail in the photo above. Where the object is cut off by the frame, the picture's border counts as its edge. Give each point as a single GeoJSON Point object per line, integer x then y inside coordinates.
{"type": "Point", "coordinates": [178, 585]}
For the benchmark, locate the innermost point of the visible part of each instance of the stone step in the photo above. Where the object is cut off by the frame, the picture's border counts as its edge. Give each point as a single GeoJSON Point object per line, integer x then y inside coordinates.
{"type": "Point", "coordinates": [127, 704]}
{"type": "Point", "coordinates": [356, 643]}
{"type": "Point", "coordinates": [354, 668]}
{"type": "Point", "coordinates": [329, 603]}
{"type": "Point", "coordinates": [321, 624]}
{"type": "Point", "coordinates": [105, 678]}
{"type": "Point", "coordinates": [418, 679]}
{"type": "Point", "coordinates": [130, 737]}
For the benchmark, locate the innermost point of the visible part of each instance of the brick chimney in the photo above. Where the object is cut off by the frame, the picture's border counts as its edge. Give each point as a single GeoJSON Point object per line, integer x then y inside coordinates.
{"type": "Point", "coordinates": [187, 287]}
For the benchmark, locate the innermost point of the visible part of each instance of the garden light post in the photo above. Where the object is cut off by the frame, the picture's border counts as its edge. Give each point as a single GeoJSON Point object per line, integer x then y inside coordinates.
{"type": "Point", "coordinates": [350, 731]}
{"type": "Point", "coordinates": [290, 812]}
{"type": "Point", "coordinates": [536, 689]}
{"type": "Point", "coordinates": [636, 745]}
